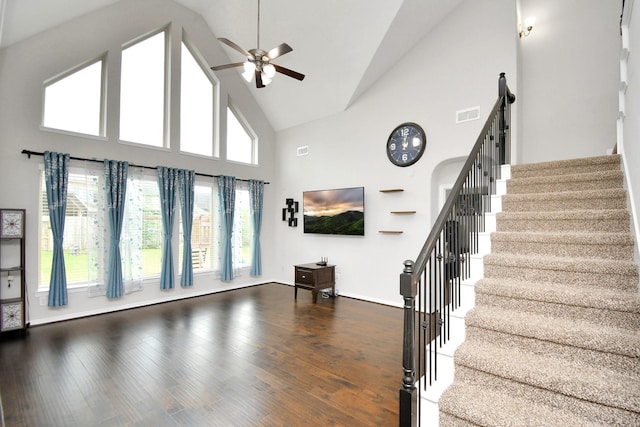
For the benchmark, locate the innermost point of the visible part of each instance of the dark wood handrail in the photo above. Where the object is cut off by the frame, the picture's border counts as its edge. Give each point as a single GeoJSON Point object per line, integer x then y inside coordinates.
{"type": "Point", "coordinates": [421, 261]}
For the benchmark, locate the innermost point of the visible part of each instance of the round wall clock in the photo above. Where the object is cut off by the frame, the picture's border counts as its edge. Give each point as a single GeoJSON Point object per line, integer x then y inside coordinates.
{"type": "Point", "coordinates": [11, 223]}
{"type": "Point", "coordinates": [406, 144]}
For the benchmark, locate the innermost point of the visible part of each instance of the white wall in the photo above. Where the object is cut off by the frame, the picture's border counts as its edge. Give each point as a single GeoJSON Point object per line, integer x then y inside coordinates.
{"type": "Point", "coordinates": [23, 68]}
{"type": "Point", "coordinates": [569, 79]}
{"type": "Point", "coordinates": [630, 105]}
{"type": "Point", "coordinates": [454, 67]}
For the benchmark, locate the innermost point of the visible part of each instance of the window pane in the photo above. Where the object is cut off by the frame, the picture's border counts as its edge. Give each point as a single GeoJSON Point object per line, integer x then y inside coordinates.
{"type": "Point", "coordinates": [142, 92]}
{"type": "Point", "coordinates": [74, 102]}
{"type": "Point", "coordinates": [202, 230]}
{"type": "Point", "coordinates": [239, 142]}
{"type": "Point", "coordinates": [196, 107]}
{"type": "Point", "coordinates": [84, 232]}
{"type": "Point", "coordinates": [242, 229]}
{"type": "Point", "coordinates": [142, 231]}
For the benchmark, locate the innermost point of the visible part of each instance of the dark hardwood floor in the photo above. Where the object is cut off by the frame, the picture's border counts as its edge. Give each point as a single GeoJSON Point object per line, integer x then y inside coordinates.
{"type": "Point", "coordinates": [249, 357]}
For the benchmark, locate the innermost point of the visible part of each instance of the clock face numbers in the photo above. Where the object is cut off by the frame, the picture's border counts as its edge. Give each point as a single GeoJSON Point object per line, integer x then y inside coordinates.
{"type": "Point", "coordinates": [11, 224]}
{"type": "Point", "coordinates": [406, 144]}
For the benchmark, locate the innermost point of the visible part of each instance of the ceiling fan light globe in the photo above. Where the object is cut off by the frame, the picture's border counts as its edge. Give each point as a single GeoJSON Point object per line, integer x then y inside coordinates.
{"type": "Point", "coordinates": [265, 79]}
{"type": "Point", "coordinates": [269, 70]}
{"type": "Point", "coordinates": [249, 67]}
{"type": "Point", "coordinates": [248, 76]}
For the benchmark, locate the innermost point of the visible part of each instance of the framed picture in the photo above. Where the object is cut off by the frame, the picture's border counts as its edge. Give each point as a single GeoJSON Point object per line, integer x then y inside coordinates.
{"type": "Point", "coordinates": [12, 221]}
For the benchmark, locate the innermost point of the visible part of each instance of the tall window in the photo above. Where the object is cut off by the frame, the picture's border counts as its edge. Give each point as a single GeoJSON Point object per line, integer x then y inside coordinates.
{"type": "Point", "coordinates": [196, 107]}
{"type": "Point", "coordinates": [74, 102]}
{"type": "Point", "coordinates": [242, 228]}
{"type": "Point", "coordinates": [142, 92]}
{"type": "Point", "coordinates": [86, 239]}
{"type": "Point", "coordinates": [202, 232]}
{"type": "Point", "coordinates": [241, 142]}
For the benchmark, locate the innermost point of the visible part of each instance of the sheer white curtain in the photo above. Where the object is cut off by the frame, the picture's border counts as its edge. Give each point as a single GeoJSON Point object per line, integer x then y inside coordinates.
{"type": "Point", "coordinates": [131, 239]}
{"type": "Point", "coordinates": [133, 229]}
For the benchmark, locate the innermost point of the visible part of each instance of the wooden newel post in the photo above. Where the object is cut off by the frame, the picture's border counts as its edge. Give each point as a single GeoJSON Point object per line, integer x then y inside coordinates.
{"type": "Point", "coordinates": [507, 98]}
{"type": "Point", "coordinates": [408, 392]}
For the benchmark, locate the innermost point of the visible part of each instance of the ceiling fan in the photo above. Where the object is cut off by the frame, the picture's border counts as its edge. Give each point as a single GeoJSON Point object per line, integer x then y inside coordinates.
{"type": "Point", "coordinates": [258, 61]}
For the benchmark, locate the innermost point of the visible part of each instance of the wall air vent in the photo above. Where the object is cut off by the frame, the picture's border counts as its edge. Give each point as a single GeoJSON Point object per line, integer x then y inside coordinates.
{"type": "Point", "coordinates": [302, 151]}
{"type": "Point", "coordinates": [467, 115]}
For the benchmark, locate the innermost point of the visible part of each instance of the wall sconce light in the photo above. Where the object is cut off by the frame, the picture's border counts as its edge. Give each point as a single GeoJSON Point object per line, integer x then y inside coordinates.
{"type": "Point", "coordinates": [528, 25]}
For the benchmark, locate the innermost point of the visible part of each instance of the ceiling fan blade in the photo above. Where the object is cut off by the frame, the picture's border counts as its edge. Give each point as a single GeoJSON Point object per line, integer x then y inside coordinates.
{"type": "Point", "coordinates": [235, 46]}
{"type": "Point", "coordinates": [289, 72]}
{"type": "Point", "coordinates": [279, 51]}
{"type": "Point", "coordinates": [259, 79]}
{"type": "Point", "coordinates": [224, 67]}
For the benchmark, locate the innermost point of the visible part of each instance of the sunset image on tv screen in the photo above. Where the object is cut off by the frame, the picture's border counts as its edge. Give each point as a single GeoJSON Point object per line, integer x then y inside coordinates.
{"type": "Point", "coordinates": [339, 211]}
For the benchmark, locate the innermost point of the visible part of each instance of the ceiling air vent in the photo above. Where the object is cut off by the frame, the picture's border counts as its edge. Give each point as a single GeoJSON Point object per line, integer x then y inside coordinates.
{"type": "Point", "coordinates": [467, 115]}
{"type": "Point", "coordinates": [302, 151]}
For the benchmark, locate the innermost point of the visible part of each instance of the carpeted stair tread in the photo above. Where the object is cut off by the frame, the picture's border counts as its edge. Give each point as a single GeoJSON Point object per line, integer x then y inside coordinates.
{"type": "Point", "coordinates": [601, 414]}
{"type": "Point", "coordinates": [618, 267]}
{"type": "Point", "coordinates": [559, 305]}
{"type": "Point", "coordinates": [609, 198]}
{"type": "Point", "coordinates": [554, 293]}
{"type": "Point", "coordinates": [603, 386]}
{"type": "Point", "coordinates": [574, 182]}
{"type": "Point", "coordinates": [590, 335]}
{"type": "Point", "coordinates": [590, 358]}
{"type": "Point", "coordinates": [467, 404]}
{"type": "Point", "coordinates": [617, 246]}
{"type": "Point", "coordinates": [581, 221]}
{"type": "Point", "coordinates": [447, 420]}
{"type": "Point", "coordinates": [622, 275]}
{"type": "Point", "coordinates": [572, 166]}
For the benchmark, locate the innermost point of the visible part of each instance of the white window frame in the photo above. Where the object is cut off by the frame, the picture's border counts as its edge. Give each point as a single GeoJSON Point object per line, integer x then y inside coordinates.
{"type": "Point", "coordinates": [232, 109]}
{"type": "Point", "coordinates": [215, 87]}
{"type": "Point", "coordinates": [103, 98]}
{"type": "Point", "coordinates": [167, 89]}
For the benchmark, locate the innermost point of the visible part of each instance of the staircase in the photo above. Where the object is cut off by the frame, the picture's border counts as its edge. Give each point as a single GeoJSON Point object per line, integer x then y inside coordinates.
{"type": "Point", "coordinates": [554, 337]}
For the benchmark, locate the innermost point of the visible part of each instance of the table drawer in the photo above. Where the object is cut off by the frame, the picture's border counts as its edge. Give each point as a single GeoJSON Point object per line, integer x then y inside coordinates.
{"type": "Point", "coordinates": [304, 275]}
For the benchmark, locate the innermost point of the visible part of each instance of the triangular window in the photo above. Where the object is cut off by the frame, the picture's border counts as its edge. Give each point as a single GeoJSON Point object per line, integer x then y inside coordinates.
{"type": "Point", "coordinates": [241, 142]}
{"type": "Point", "coordinates": [74, 102]}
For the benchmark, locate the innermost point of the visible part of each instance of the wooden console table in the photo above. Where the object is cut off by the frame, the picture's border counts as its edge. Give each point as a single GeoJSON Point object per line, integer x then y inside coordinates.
{"type": "Point", "coordinates": [315, 277]}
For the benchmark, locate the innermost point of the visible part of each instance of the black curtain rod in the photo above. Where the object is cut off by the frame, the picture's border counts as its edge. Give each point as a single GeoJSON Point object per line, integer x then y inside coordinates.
{"type": "Point", "coordinates": [30, 153]}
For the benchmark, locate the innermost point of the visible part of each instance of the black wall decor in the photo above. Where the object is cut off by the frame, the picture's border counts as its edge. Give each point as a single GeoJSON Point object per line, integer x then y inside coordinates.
{"type": "Point", "coordinates": [288, 213]}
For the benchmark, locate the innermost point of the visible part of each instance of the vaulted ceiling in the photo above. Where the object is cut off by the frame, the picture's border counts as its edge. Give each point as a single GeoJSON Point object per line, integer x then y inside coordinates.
{"type": "Point", "coordinates": [342, 46]}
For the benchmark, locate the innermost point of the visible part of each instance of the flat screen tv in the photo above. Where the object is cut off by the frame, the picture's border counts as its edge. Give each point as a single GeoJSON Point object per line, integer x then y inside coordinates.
{"type": "Point", "coordinates": [339, 211]}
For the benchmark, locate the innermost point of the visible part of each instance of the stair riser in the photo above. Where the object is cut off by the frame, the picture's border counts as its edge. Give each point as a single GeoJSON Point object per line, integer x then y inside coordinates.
{"type": "Point", "coordinates": [536, 205]}
{"type": "Point", "coordinates": [591, 357]}
{"type": "Point", "coordinates": [447, 420]}
{"type": "Point", "coordinates": [573, 166]}
{"type": "Point", "coordinates": [577, 278]}
{"type": "Point", "coordinates": [609, 318]}
{"type": "Point", "coordinates": [581, 225]}
{"type": "Point", "coordinates": [533, 186]}
{"type": "Point", "coordinates": [518, 171]}
{"type": "Point", "coordinates": [602, 414]}
{"type": "Point", "coordinates": [613, 252]}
